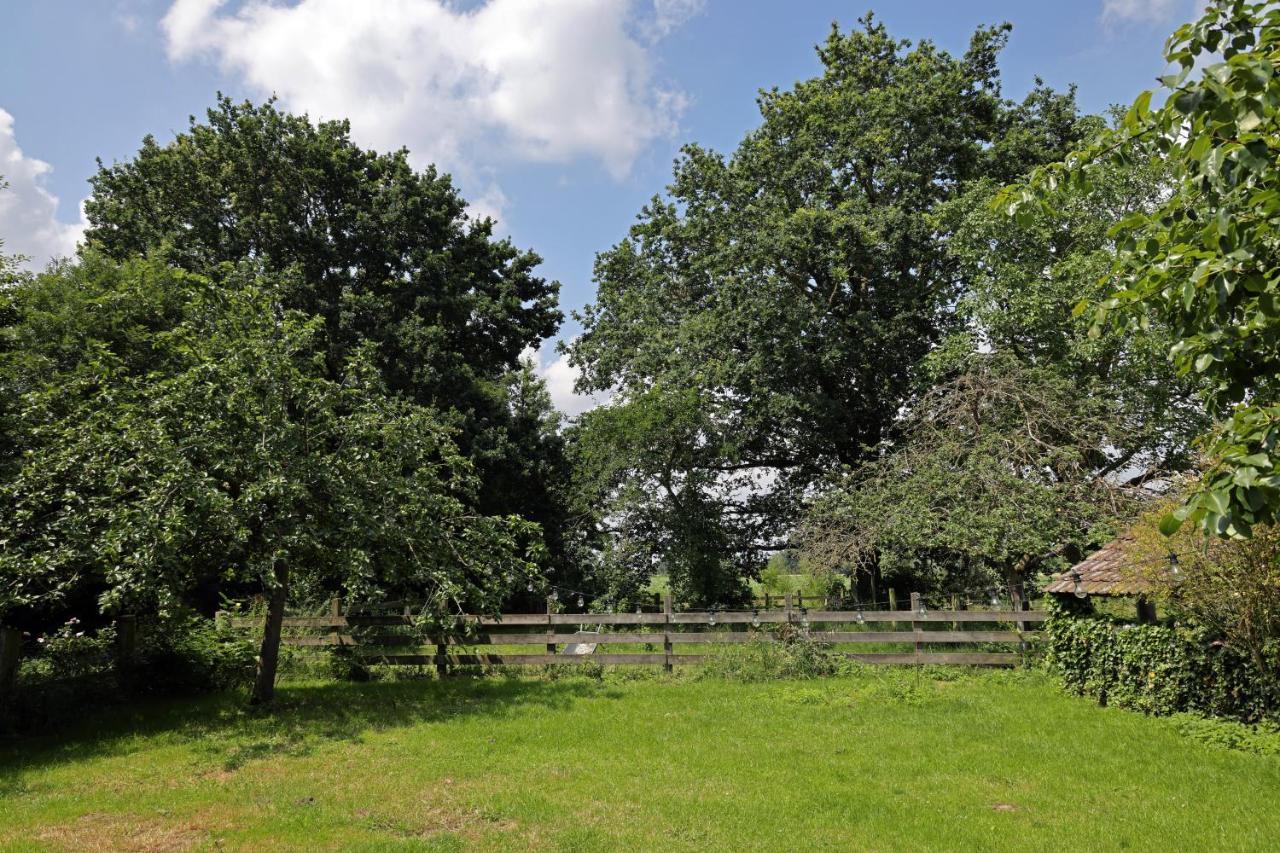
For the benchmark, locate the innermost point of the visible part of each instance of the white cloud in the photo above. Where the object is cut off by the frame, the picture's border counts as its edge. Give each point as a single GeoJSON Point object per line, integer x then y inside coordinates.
{"type": "Point", "coordinates": [28, 211]}
{"type": "Point", "coordinates": [461, 86]}
{"type": "Point", "coordinates": [560, 377]}
{"type": "Point", "coordinates": [1154, 11]}
{"type": "Point", "coordinates": [670, 15]}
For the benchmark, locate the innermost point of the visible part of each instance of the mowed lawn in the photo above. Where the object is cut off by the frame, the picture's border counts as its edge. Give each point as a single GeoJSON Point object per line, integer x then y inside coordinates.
{"type": "Point", "coordinates": [879, 760]}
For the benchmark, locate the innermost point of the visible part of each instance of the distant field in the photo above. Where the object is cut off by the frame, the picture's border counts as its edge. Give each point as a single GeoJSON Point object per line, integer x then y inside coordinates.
{"type": "Point", "coordinates": [881, 760]}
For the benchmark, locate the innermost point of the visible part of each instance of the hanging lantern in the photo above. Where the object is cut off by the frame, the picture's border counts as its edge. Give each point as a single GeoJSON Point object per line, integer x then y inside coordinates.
{"type": "Point", "coordinates": [755, 618]}
{"type": "Point", "coordinates": [1077, 588]}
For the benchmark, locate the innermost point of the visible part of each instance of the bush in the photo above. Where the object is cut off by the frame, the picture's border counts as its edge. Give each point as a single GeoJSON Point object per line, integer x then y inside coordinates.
{"type": "Point", "coordinates": [70, 669]}
{"type": "Point", "coordinates": [1156, 669]}
{"type": "Point", "coordinates": [788, 653]}
{"type": "Point", "coordinates": [188, 653]}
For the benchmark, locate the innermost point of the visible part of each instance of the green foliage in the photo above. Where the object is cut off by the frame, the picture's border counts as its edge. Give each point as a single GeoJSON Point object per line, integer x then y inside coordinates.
{"type": "Point", "coordinates": [71, 667]}
{"type": "Point", "coordinates": [765, 320]}
{"type": "Point", "coordinates": [1157, 669]}
{"type": "Point", "coordinates": [1203, 261]}
{"type": "Point", "coordinates": [996, 474]}
{"type": "Point", "coordinates": [386, 257]}
{"type": "Point", "coordinates": [1262, 738]}
{"type": "Point", "coordinates": [790, 655]}
{"type": "Point", "coordinates": [175, 431]}
{"type": "Point", "coordinates": [1021, 283]}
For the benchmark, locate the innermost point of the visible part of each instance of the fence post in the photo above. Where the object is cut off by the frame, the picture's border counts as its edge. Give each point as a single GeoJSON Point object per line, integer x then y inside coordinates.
{"type": "Point", "coordinates": [955, 605]}
{"type": "Point", "coordinates": [10, 650]}
{"type": "Point", "coordinates": [335, 613]}
{"type": "Point", "coordinates": [551, 647]}
{"type": "Point", "coordinates": [766, 601]}
{"type": "Point", "coordinates": [916, 627]}
{"type": "Point", "coordinates": [1015, 596]}
{"type": "Point", "coordinates": [788, 608]}
{"type": "Point", "coordinates": [442, 657]}
{"type": "Point", "coordinates": [666, 633]}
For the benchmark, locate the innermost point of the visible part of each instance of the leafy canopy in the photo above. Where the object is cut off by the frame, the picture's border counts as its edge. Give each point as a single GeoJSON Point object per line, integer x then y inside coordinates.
{"type": "Point", "coordinates": [1203, 262]}
{"type": "Point", "coordinates": [386, 256]}
{"type": "Point", "coordinates": [170, 430]}
{"type": "Point", "coordinates": [996, 473]}
{"type": "Point", "coordinates": [780, 299]}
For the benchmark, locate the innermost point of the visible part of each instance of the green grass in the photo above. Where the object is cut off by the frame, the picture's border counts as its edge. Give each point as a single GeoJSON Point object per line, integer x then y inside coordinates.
{"type": "Point", "coordinates": [879, 760]}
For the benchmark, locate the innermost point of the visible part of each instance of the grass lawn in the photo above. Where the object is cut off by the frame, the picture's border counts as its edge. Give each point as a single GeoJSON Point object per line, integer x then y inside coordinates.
{"type": "Point", "coordinates": [879, 760]}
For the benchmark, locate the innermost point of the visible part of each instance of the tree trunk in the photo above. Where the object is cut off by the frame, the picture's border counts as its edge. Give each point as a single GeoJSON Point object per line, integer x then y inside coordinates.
{"type": "Point", "coordinates": [264, 685]}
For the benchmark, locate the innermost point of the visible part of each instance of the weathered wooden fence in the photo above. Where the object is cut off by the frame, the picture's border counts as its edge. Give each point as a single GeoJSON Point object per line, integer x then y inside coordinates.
{"type": "Point", "coordinates": [916, 633]}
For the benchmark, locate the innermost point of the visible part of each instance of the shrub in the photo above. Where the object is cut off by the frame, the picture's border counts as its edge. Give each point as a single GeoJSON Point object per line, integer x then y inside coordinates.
{"type": "Point", "coordinates": [70, 669]}
{"type": "Point", "coordinates": [789, 653]}
{"type": "Point", "coordinates": [187, 653]}
{"type": "Point", "coordinates": [1157, 669]}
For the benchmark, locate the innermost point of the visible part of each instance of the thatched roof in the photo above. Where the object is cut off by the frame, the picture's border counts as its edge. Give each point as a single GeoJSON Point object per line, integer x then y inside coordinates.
{"type": "Point", "coordinates": [1107, 571]}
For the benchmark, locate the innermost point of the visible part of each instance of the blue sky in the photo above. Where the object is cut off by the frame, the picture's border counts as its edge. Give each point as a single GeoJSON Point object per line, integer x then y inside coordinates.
{"type": "Point", "coordinates": [561, 117]}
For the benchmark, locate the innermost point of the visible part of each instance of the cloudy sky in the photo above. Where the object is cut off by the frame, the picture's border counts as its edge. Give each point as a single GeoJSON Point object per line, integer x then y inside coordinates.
{"type": "Point", "coordinates": [558, 117]}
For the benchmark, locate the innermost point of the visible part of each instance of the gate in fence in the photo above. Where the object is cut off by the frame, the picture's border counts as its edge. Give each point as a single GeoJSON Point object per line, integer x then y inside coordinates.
{"type": "Point", "coordinates": [915, 636]}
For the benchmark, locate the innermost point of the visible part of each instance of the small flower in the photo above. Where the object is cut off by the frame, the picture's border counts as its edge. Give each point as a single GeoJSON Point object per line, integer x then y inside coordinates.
{"type": "Point", "coordinates": [40, 640]}
{"type": "Point", "coordinates": [79, 633]}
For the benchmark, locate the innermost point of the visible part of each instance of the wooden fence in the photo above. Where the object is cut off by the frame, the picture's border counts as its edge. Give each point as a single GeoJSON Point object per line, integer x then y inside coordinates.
{"type": "Point", "coordinates": [916, 632]}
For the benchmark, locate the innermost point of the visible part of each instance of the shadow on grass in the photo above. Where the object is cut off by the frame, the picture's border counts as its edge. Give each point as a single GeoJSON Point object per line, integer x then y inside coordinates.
{"type": "Point", "coordinates": [225, 733]}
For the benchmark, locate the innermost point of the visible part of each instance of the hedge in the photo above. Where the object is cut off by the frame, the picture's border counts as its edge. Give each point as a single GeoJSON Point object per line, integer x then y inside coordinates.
{"type": "Point", "coordinates": [1157, 669]}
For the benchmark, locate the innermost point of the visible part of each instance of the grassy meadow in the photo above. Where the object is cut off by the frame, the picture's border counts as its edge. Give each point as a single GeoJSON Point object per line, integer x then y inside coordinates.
{"type": "Point", "coordinates": [880, 759]}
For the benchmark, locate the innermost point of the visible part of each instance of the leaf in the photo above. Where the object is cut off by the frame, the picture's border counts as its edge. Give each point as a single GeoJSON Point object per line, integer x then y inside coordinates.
{"type": "Point", "coordinates": [1170, 524]}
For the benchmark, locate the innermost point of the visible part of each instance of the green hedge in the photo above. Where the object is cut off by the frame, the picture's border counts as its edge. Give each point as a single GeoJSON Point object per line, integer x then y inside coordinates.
{"type": "Point", "coordinates": [1157, 669]}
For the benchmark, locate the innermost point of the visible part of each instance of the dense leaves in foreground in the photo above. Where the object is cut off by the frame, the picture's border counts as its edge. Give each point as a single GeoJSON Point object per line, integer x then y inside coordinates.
{"type": "Point", "coordinates": [169, 430]}
{"type": "Point", "coordinates": [1204, 260]}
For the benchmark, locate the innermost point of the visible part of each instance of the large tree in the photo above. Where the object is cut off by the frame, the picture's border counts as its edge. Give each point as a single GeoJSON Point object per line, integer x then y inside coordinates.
{"type": "Point", "coordinates": [997, 474]}
{"type": "Point", "coordinates": [387, 256]}
{"type": "Point", "coordinates": [781, 299]}
{"type": "Point", "coordinates": [172, 429]}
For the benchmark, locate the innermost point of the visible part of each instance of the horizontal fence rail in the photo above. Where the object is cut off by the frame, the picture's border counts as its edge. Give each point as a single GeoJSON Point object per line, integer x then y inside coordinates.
{"type": "Point", "coordinates": [375, 639]}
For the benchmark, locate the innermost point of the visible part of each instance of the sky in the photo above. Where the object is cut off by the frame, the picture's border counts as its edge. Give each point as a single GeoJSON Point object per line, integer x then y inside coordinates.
{"type": "Point", "coordinates": [560, 118]}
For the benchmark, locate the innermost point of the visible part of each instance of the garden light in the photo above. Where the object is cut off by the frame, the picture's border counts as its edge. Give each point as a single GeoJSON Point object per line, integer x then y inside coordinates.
{"type": "Point", "coordinates": [755, 618]}
{"type": "Point", "coordinates": [1077, 588]}
{"type": "Point", "coordinates": [580, 602]}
